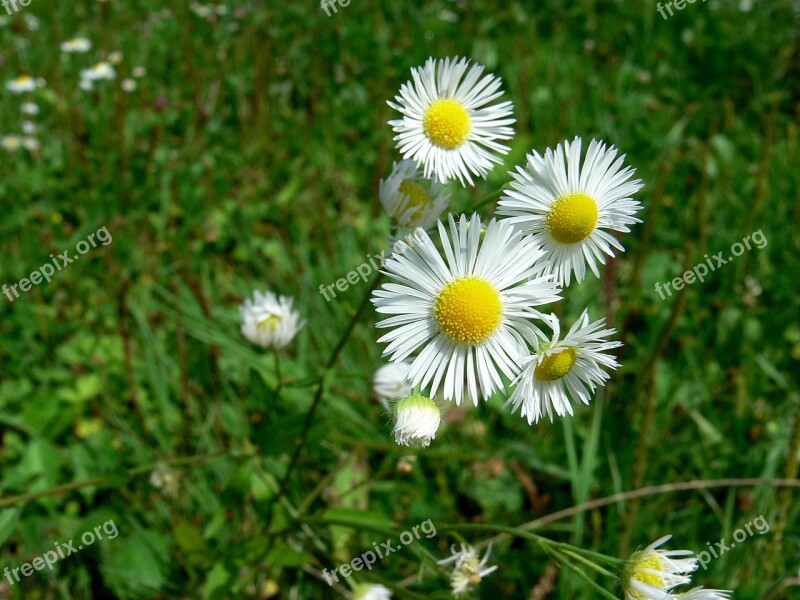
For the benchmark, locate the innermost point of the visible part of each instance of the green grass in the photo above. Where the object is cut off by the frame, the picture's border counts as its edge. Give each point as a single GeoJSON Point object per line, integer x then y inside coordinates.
{"type": "Point", "coordinates": [249, 157]}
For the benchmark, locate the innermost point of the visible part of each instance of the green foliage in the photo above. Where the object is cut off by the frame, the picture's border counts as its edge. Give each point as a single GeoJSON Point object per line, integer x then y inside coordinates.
{"type": "Point", "coordinates": [248, 157]}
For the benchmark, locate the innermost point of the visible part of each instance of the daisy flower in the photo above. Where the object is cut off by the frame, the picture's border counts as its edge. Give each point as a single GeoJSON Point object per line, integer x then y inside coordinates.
{"type": "Point", "coordinates": [560, 370]}
{"type": "Point", "coordinates": [569, 208]}
{"type": "Point", "coordinates": [700, 593]}
{"type": "Point", "coordinates": [30, 143]}
{"type": "Point", "coordinates": [468, 313]}
{"type": "Point", "coordinates": [139, 71]}
{"type": "Point", "coordinates": [269, 320]}
{"type": "Point", "coordinates": [80, 45]}
{"type": "Point", "coordinates": [102, 70]}
{"type": "Point", "coordinates": [371, 591]}
{"type": "Point", "coordinates": [390, 382]}
{"type": "Point", "coordinates": [651, 574]}
{"type": "Point", "coordinates": [128, 85]}
{"type": "Point", "coordinates": [29, 108]}
{"type": "Point", "coordinates": [468, 571]}
{"type": "Point", "coordinates": [449, 123]}
{"type": "Point", "coordinates": [410, 199]}
{"type": "Point", "coordinates": [22, 84]}
{"type": "Point", "coordinates": [10, 142]}
{"type": "Point", "coordinates": [416, 421]}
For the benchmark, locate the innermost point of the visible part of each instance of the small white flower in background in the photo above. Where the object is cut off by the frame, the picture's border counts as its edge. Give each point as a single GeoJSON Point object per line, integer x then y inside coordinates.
{"type": "Point", "coordinates": [30, 143]}
{"type": "Point", "coordinates": [571, 209]}
{"type": "Point", "coordinates": [128, 85]}
{"type": "Point", "coordinates": [468, 570]}
{"type": "Point", "coordinates": [700, 593]}
{"type": "Point", "coordinates": [86, 85]}
{"type": "Point", "coordinates": [390, 383]}
{"type": "Point", "coordinates": [221, 9]}
{"type": "Point", "coordinates": [29, 108]}
{"type": "Point", "coordinates": [204, 11]}
{"type": "Point", "coordinates": [416, 421]}
{"type": "Point", "coordinates": [651, 574]}
{"type": "Point", "coordinates": [562, 369]}
{"type": "Point", "coordinates": [368, 591]}
{"type": "Point", "coordinates": [10, 142]}
{"type": "Point", "coordinates": [450, 124]}
{"type": "Point", "coordinates": [139, 71]}
{"type": "Point", "coordinates": [269, 320]}
{"type": "Point", "coordinates": [79, 45]}
{"type": "Point", "coordinates": [165, 480]}
{"type": "Point", "coordinates": [22, 84]}
{"type": "Point", "coordinates": [102, 70]}
{"type": "Point", "coordinates": [28, 127]}
{"type": "Point", "coordinates": [115, 57]}
{"type": "Point", "coordinates": [410, 199]}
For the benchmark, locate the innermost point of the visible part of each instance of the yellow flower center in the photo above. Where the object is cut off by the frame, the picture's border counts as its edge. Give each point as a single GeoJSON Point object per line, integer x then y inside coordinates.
{"type": "Point", "coordinates": [23, 79]}
{"type": "Point", "coordinates": [555, 366]}
{"type": "Point", "coordinates": [417, 196]}
{"type": "Point", "coordinates": [468, 310]}
{"type": "Point", "coordinates": [270, 323]}
{"type": "Point", "coordinates": [572, 218]}
{"type": "Point", "coordinates": [446, 123]}
{"type": "Point", "coordinates": [639, 574]}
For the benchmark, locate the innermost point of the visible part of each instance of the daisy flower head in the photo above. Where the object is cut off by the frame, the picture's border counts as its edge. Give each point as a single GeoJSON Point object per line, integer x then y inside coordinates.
{"type": "Point", "coordinates": [269, 321]}
{"type": "Point", "coordinates": [102, 70]}
{"type": "Point", "coordinates": [410, 199]}
{"type": "Point", "coordinates": [416, 421]}
{"type": "Point", "coordinates": [700, 593]}
{"type": "Point", "coordinates": [390, 382]}
{"type": "Point", "coordinates": [468, 570]}
{"type": "Point", "coordinates": [79, 45]}
{"type": "Point", "coordinates": [570, 208]}
{"type": "Point", "coordinates": [469, 312]}
{"type": "Point", "coordinates": [560, 370]}
{"type": "Point", "coordinates": [651, 574]}
{"type": "Point", "coordinates": [22, 84]}
{"type": "Point", "coordinates": [10, 142]}
{"type": "Point", "coordinates": [450, 124]}
{"type": "Point", "coordinates": [371, 591]}
{"type": "Point", "coordinates": [29, 108]}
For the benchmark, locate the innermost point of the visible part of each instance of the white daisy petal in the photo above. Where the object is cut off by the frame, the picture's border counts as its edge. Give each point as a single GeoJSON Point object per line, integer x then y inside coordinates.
{"type": "Point", "coordinates": [569, 209]}
{"type": "Point", "coordinates": [410, 199]}
{"type": "Point", "coordinates": [468, 315]}
{"type": "Point", "coordinates": [651, 574]}
{"type": "Point", "coordinates": [449, 124]}
{"type": "Point", "coordinates": [560, 369]}
{"type": "Point", "coordinates": [269, 320]}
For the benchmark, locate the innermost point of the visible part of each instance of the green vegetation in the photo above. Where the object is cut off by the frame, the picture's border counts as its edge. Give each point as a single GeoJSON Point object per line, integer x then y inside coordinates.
{"type": "Point", "coordinates": [248, 157]}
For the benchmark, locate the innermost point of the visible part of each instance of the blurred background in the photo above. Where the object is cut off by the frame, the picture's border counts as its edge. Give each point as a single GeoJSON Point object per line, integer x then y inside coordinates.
{"type": "Point", "coordinates": [239, 146]}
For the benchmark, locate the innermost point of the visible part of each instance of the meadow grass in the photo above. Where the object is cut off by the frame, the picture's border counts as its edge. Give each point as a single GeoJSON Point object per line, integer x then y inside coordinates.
{"type": "Point", "coordinates": [249, 157]}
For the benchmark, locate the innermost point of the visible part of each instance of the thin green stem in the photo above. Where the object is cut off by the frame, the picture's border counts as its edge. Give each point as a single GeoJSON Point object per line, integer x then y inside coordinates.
{"type": "Point", "coordinates": [321, 389]}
